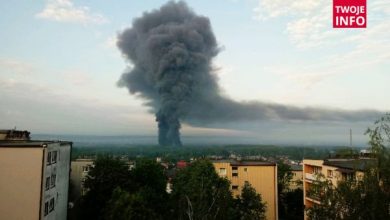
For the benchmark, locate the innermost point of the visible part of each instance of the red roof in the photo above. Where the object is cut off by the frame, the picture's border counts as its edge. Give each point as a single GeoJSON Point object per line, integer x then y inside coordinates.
{"type": "Point", "coordinates": [181, 164]}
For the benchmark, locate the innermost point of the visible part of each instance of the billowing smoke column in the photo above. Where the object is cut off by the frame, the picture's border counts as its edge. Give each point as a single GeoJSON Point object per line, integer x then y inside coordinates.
{"type": "Point", "coordinates": [171, 50]}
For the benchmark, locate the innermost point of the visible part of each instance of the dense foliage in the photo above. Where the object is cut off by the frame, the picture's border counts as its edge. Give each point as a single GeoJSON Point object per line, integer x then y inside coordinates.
{"type": "Point", "coordinates": [199, 193]}
{"type": "Point", "coordinates": [290, 203]}
{"type": "Point", "coordinates": [249, 205]}
{"type": "Point", "coordinates": [106, 175]}
{"type": "Point", "coordinates": [115, 192]}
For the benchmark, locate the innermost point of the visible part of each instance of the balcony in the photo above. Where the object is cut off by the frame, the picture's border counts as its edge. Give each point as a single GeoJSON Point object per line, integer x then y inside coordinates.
{"type": "Point", "coordinates": [314, 200]}
{"type": "Point", "coordinates": [311, 176]}
{"type": "Point", "coordinates": [313, 196]}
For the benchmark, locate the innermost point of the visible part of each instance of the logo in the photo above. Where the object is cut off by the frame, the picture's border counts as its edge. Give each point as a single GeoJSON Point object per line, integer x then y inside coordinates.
{"type": "Point", "coordinates": [349, 13]}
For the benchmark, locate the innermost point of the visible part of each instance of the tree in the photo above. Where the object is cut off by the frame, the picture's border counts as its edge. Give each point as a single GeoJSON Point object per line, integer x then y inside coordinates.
{"type": "Point", "coordinates": [293, 203]}
{"type": "Point", "coordinates": [199, 193]}
{"type": "Point", "coordinates": [145, 199]}
{"type": "Point", "coordinates": [284, 178]}
{"type": "Point", "coordinates": [250, 205]}
{"type": "Point", "coordinates": [106, 174]}
{"type": "Point", "coordinates": [126, 206]}
{"type": "Point", "coordinates": [150, 185]}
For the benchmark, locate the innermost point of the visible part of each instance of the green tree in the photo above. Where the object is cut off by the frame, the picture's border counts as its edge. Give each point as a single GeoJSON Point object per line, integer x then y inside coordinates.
{"type": "Point", "coordinates": [293, 202]}
{"type": "Point", "coordinates": [150, 184]}
{"type": "Point", "coordinates": [199, 193]}
{"type": "Point", "coordinates": [284, 178]}
{"type": "Point", "coordinates": [107, 174]}
{"type": "Point", "coordinates": [146, 198]}
{"type": "Point", "coordinates": [126, 206]}
{"type": "Point", "coordinates": [249, 204]}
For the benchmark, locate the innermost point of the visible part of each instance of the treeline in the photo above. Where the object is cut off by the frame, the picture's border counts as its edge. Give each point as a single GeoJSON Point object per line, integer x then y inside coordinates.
{"type": "Point", "coordinates": [187, 152]}
{"type": "Point", "coordinates": [115, 192]}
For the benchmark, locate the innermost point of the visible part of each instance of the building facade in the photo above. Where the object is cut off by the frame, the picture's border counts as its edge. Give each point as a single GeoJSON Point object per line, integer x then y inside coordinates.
{"type": "Point", "coordinates": [79, 171]}
{"type": "Point", "coordinates": [332, 170]}
{"type": "Point", "coordinates": [261, 175]}
{"type": "Point", "coordinates": [297, 177]}
{"type": "Point", "coordinates": [34, 179]}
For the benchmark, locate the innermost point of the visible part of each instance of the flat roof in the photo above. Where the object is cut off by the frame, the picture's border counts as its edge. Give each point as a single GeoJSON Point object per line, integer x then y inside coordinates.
{"type": "Point", "coordinates": [31, 143]}
{"type": "Point", "coordinates": [351, 164]}
{"type": "Point", "coordinates": [295, 167]}
{"type": "Point", "coordinates": [245, 163]}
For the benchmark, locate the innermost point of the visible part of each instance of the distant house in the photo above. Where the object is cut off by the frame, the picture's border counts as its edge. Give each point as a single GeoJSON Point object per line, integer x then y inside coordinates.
{"type": "Point", "coordinates": [261, 175]}
{"type": "Point", "coordinates": [34, 177]}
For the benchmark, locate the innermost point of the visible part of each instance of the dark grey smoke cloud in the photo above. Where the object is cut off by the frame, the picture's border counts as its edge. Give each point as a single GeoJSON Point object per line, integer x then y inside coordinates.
{"type": "Point", "coordinates": [172, 49]}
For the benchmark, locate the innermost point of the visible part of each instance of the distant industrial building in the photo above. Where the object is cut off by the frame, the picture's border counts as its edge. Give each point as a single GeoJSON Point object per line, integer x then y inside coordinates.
{"type": "Point", "coordinates": [34, 177]}
{"type": "Point", "coordinates": [333, 170]}
{"type": "Point", "coordinates": [261, 175]}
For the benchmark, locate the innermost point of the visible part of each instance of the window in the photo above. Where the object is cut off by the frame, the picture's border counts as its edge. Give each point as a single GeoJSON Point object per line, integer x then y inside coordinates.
{"type": "Point", "coordinates": [48, 158]}
{"type": "Point", "coordinates": [234, 174]}
{"type": "Point", "coordinates": [51, 205]}
{"type": "Point", "coordinates": [222, 171]}
{"type": "Point", "coordinates": [234, 168]}
{"type": "Point", "coordinates": [317, 170]}
{"type": "Point", "coordinates": [54, 157]}
{"type": "Point", "coordinates": [47, 183]}
{"type": "Point", "coordinates": [86, 168]}
{"type": "Point", "coordinates": [235, 187]}
{"type": "Point", "coordinates": [53, 180]}
{"type": "Point", "coordinates": [330, 173]}
{"type": "Point", "coordinates": [348, 176]}
{"type": "Point", "coordinates": [46, 208]}
{"type": "Point", "coordinates": [245, 169]}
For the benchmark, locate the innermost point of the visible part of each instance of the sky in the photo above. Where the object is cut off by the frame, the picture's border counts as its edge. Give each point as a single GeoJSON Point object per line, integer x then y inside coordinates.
{"type": "Point", "coordinates": [59, 66]}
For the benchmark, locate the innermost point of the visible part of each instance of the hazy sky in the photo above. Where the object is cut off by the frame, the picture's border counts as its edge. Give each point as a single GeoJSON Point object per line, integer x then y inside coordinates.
{"type": "Point", "coordinates": [59, 65]}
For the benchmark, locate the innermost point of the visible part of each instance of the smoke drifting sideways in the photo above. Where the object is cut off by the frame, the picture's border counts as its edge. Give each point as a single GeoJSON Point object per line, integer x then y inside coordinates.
{"type": "Point", "coordinates": [171, 50]}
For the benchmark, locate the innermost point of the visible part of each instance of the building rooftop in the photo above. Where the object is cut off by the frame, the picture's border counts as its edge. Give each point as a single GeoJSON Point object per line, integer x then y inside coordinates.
{"type": "Point", "coordinates": [30, 143]}
{"type": "Point", "coordinates": [295, 167]}
{"type": "Point", "coordinates": [350, 164]}
{"type": "Point", "coordinates": [245, 163]}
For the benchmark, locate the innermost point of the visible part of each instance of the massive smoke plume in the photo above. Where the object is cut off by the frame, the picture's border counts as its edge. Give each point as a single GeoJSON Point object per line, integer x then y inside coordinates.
{"type": "Point", "coordinates": [171, 50]}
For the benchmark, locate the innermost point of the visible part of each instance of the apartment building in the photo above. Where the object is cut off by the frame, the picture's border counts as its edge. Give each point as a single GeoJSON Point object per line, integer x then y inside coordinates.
{"type": "Point", "coordinates": [333, 170]}
{"type": "Point", "coordinates": [79, 171]}
{"type": "Point", "coordinates": [297, 177]}
{"type": "Point", "coordinates": [261, 175]}
{"type": "Point", "coordinates": [34, 177]}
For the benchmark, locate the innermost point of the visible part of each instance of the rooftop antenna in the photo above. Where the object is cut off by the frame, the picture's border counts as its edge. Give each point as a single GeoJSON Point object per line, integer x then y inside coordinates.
{"type": "Point", "coordinates": [350, 137]}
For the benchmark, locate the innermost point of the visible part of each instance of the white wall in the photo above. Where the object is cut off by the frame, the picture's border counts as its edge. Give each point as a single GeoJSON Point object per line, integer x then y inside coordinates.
{"type": "Point", "coordinates": [60, 192]}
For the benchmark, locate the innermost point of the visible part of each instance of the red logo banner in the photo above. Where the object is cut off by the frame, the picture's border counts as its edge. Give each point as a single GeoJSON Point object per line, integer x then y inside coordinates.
{"type": "Point", "coordinates": [349, 13]}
